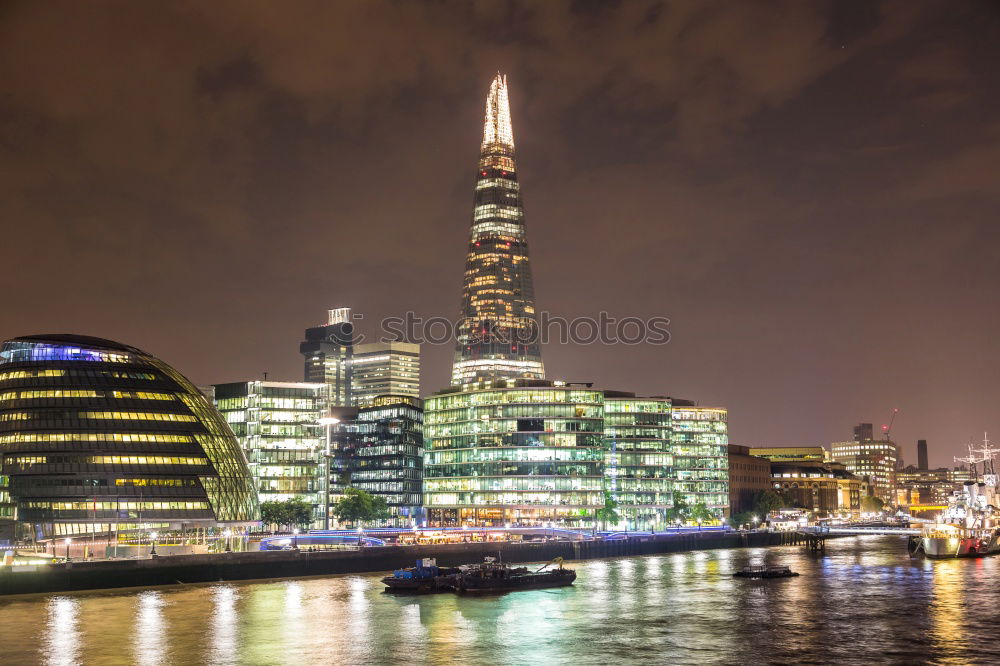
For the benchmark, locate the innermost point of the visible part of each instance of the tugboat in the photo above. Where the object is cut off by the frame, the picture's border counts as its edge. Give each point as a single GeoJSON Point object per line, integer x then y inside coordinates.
{"type": "Point", "coordinates": [493, 576]}
{"type": "Point", "coordinates": [968, 527]}
{"type": "Point", "coordinates": [765, 571]}
{"type": "Point", "coordinates": [427, 576]}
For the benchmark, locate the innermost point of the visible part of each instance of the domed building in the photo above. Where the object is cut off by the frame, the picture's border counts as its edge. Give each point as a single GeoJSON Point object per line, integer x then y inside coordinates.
{"type": "Point", "coordinates": [99, 437]}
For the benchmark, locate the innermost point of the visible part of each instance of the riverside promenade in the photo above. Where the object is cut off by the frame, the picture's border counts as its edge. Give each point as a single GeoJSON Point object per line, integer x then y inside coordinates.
{"type": "Point", "coordinates": [209, 568]}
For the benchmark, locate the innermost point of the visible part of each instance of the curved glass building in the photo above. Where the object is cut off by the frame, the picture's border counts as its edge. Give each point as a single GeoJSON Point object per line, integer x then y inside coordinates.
{"type": "Point", "coordinates": [525, 452]}
{"type": "Point", "coordinates": [96, 436]}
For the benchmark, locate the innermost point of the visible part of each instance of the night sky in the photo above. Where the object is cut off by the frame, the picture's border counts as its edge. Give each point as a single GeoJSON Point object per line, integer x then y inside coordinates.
{"type": "Point", "coordinates": [809, 190]}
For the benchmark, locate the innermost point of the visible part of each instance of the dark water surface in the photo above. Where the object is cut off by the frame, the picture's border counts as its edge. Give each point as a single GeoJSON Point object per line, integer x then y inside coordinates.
{"type": "Point", "coordinates": [865, 601]}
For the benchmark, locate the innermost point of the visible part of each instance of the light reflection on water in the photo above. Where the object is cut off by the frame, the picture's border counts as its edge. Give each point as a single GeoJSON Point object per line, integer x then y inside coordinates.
{"type": "Point", "coordinates": [865, 601]}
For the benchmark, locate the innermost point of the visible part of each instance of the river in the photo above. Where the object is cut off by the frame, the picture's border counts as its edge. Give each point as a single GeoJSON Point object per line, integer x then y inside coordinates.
{"type": "Point", "coordinates": [865, 601]}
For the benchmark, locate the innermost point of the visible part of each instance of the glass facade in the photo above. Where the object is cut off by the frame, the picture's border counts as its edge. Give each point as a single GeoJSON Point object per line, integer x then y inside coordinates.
{"type": "Point", "coordinates": [871, 459]}
{"type": "Point", "coordinates": [384, 368]}
{"type": "Point", "coordinates": [95, 434]}
{"type": "Point", "coordinates": [699, 442]}
{"type": "Point", "coordinates": [277, 424]}
{"type": "Point", "coordinates": [521, 452]}
{"type": "Point", "coordinates": [638, 461]}
{"type": "Point", "coordinates": [498, 325]}
{"type": "Point", "coordinates": [327, 352]}
{"type": "Point", "coordinates": [380, 451]}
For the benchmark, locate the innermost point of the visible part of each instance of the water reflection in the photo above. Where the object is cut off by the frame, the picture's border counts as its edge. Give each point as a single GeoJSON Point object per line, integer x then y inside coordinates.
{"type": "Point", "coordinates": [61, 646]}
{"type": "Point", "coordinates": [149, 638]}
{"type": "Point", "coordinates": [864, 601]}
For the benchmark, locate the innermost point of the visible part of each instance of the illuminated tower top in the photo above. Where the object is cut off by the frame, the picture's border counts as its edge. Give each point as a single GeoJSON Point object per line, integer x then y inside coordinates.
{"type": "Point", "coordinates": [497, 128]}
{"type": "Point", "coordinates": [497, 333]}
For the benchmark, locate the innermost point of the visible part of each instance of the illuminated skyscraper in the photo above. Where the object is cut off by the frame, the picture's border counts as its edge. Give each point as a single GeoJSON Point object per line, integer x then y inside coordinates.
{"type": "Point", "coordinates": [497, 336]}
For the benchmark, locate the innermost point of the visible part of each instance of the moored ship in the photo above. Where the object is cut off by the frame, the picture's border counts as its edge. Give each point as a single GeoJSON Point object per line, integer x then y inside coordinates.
{"type": "Point", "coordinates": [492, 576]}
{"type": "Point", "coordinates": [968, 527]}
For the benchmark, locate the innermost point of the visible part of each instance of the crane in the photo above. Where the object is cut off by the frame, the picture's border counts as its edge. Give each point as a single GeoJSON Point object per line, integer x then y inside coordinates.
{"type": "Point", "coordinates": [886, 429]}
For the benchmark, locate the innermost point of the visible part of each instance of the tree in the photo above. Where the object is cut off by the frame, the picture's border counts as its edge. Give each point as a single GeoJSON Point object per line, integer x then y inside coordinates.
{"type": "Point", "coordinates": [290, 513]}
{"type": "Point", "coordinates": [872, 504]}
{"type": "Point", "coordinates": [700, 513]}
{"type": "Point", "coordinates": [737, 520]}
{"type": "Point", "coordinates": [608, 513]}
{"type": "Point", "coordinates": [766, 501]}
{"type": "Point", "coordinates": [358, 506]}
{"type": "Point", "coordinates": [680, 511]}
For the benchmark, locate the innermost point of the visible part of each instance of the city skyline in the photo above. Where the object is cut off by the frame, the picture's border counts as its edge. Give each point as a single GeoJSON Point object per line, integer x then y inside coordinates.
{"type": "Point", "coordinates": [810, 202]}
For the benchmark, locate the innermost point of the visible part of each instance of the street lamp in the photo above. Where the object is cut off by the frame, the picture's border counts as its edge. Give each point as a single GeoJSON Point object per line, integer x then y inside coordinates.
{"type": "Point", "coordinates": [328, 422]}
{"type": "Point", "coordinates": [68, 542]}
{"type": "Point", "coordinates": [152, 539]}
{"type": "Point", "coordinates": [295, 538]}
{"type": "Point", "coordinates": [361, 532]}
{"type": "Point", "coordinates": [228, 534]}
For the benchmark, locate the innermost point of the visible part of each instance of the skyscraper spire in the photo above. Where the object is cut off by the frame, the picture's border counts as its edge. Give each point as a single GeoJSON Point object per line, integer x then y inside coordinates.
{"type": "Point", "coordinates": [497, 128]}
{"type": "Point", "coordinates": [497, 335]}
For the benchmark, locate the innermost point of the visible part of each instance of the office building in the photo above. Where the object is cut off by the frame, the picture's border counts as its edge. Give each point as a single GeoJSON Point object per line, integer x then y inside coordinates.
{"type": "Point", "coordinates": [791, 453]}
{"type": "Point", "coordinates": [638, 463]}
{"type": "Point", "coordinates": [327, 352]}
{"type": "Point", "coordinates": [384, 368]}
{"type": "Point", "coordinates": [700, 448]}
{"type": "Point", "coordinates": [874, 460]}
{"type": "Point", "coordinates": [748, 476]}
{"type": "Point", "coordinates": [527, 452]}
{"type": "Point", "coordinates": [497, 332]}
{"type": "Point", "coordinates": [825, 488]}
{"type": "Point", "coordinates": [379, 449]}
{"type": "Point", "coordinates": [99, 437]}
{"type": "Point", "coordinates": [922, 454]}
{"type": "Point", "coordinates": [277, 425]}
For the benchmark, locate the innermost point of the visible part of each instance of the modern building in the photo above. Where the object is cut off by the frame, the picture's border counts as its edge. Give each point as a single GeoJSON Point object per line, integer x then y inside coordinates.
{"type": "Point", "coordinates": [875, 460]}
{"type": "Point", "coordinates": [700, 447]}
{"type": "Point", "coordinates": [526, 452]}
{"type": "Point", "coordinates": [917, 486]}
{"type": "Point", "coordinates": [327, 351]}
{"type": "Point", "coordinates": [922, 454]}
{"type": "Point", "coordinates": [638, 463]}
{"type": "Point", "coordinates": [384, 368]}
{"type": "Point", "coordinates": [278, 427]}
{"type": "Point", "coordinates": [748, 476]}
{"type": "Point", "coordinates": [97, 437]}
{"type": "Point", "coordinates": [497, 335]}
{"type": "Point", "coordinates": [380, 450]}
{"type": "Point", "coordinates": [354, 373]}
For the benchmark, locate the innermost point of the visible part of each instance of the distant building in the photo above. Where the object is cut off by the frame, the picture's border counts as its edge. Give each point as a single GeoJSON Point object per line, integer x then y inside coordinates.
{"type": "Point", "coordinates": [327, 351]}
{"type": "Point", "coordinates": [277, 425]}
{"type": "Point", "coordinates": [825, 488]}
{"type": "Point", "coordinates": [384, 368]}
{"type": "Point", "coordinates": [875, 460]}
{"type": "Point", "coordinates": [99, 437]}
{"type": "Point", "coordinates": [748, 476]}
{"type": "Point", "coordinates": [922, 454]}
{"type": "Point", "coordinates": [933, 487]}
{"type": "Point", "coordinates": [791, 453]}
{"type": "Point", "coordinates": [864, 432]}
{"type": "Point", "coordinates": [700, 446]}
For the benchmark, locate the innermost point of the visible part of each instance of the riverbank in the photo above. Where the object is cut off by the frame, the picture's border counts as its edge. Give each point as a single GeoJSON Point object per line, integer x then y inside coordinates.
{"type": "Point", "coordinates": [186, 569]}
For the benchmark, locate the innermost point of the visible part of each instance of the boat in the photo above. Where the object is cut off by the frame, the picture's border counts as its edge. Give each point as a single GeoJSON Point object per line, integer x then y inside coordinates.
{"type": "Point", "coordinates": [764, 571]}
{"type": "Point", "coordinates": [493, 576]}
{"type": "Point", "coordinates": [970, 524]}
{"type": "Point", "coordinates": [427, 576]}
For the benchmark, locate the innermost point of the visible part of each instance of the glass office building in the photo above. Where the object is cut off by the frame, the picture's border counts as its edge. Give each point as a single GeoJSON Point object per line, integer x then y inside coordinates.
{"type": "Point", "coordinates": [384, 368]}
{"type": "Point", "coordinates": [380, 450]}
{"type": "Point", "coordinates": [96, 436]}
{"type": "Point", "coordinates": [638, 459]}
{"type": "Point", "coordinates": [497, 332]}
{"type": "Point", "coordinates": [871, 459]}
{"type": "Point", "coordinates": [526, 452]}
{"type": "Point", "coordinates": [327, 352]}
{"type": "Point", "coordinates": [700, 446]}
{"type": "Point", "coordinates": [277, 425]}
